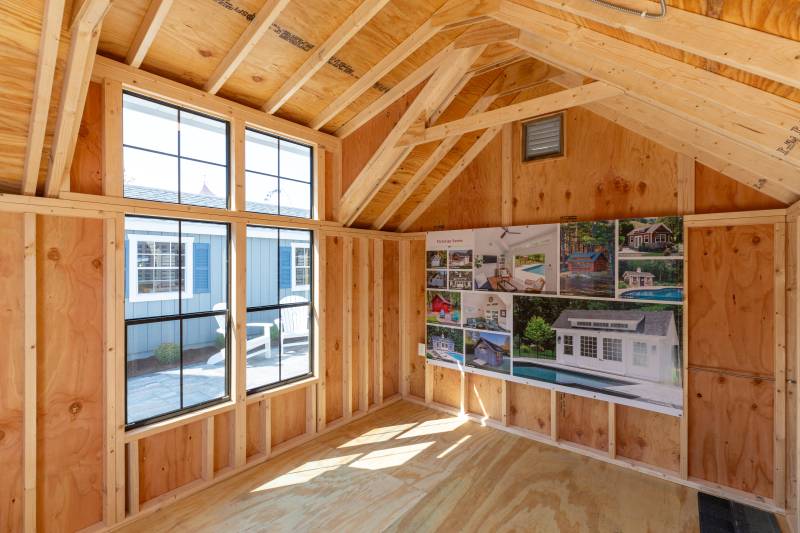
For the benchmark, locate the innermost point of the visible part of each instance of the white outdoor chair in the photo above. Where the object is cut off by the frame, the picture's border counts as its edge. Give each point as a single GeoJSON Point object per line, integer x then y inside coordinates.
{"type": "Point", "coordinates": [293, 323]}
{"type": "Point", "coordinates": [259, 341]}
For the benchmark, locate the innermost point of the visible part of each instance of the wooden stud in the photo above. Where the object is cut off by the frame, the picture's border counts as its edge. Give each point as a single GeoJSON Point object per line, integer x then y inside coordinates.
{"type": "Point", "coordinates": [684, 427]}
{"type": "Point", "coordinates": [347, 324]}
{"type": "Point", "coordinates": [320, 314]}
{"type": "Point", "coordinates": [311, 410]}
{"type": "Point", "coordinates": [319, 185]}
{"type": "Point", "coordinates": [266, 419]}
{"type": "Point", "coordinates": [239, 343]}
{"type": "Point", "coordinates": [405, 292]}
{"type": "Point", "coordinates": [120, 367]}
{"type": "Point", "coordinates": [29, 415]}
{"type": "Point", "coordinates": [320, 56]}
{"type": "Point", "coordinates": [779, 325]}
{"type": "Point", "coordinates": [42, 92]}
{"type": "Point", "coordinates": [153, 19]}
{"type": "Point", "coordinates": [238, 193]}
{"type": "Point", "coordinates": [257, 28]}
{"type": "Point", "coordinates": [505, 403]}
{"type": "Point", "coordinates": [612, 430]}
{"type": "Point", "coordinates": [430, 382]}
{"type": "Point", "coordinates": [83, 44]}
{"type": "Point", "coordinates": [554, 415]}
{"type": "Point", "coordinates": [565, 99]}
{"type": "Point", "coordinates": [363, 322]}
{"type": "Point", "coordinates": [506, 175]}
{"type": "Point", "coordinates": [490, 32]}
{"type": "Point", "coordinates": [207, 450]}
{"type": "Point", "coordinates": [112, 138]}
{"type": "Point", "coordinates": [133, 477]}
{"type": "Point", "coordinates": [377, 325]}
{"type": "Point", "coordinates": [463, 392]}
{"type": "Point", "coordinates": [110, 343]}
{"type": "Point", "coordinates": [336, 193]}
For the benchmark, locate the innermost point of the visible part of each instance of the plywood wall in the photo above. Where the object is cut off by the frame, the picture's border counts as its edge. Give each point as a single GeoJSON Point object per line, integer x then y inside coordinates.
{"type": "Point", "coordinates": [70, 405]}
{"type": "Point", "coordinates": [12, 312]}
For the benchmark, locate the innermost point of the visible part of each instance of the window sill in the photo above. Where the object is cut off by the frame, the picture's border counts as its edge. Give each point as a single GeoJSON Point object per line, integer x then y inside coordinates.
{"type": "Point", "coordinates": [181, 420]}
{"type": "Point", "coordinates": [263, 395]}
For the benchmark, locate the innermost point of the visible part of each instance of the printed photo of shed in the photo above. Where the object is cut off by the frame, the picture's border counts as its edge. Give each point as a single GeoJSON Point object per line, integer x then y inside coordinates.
{"type": "Point", "coordinates": [651, 279]}
{"type": "Point", "coordinates": [460, 259]}
{"type": "Point", "coordinates": [445, 344]}
{"type": "Point", "coordinates": [587, 259]}
{"type": "Point", "coordinates": [436, 279]}
{"type": "Point", "coordinates": [488, 351]}
{"type": "Point", "coordinates": [443, 307]}
{"type": "Point", "coordinates": [654, 236]}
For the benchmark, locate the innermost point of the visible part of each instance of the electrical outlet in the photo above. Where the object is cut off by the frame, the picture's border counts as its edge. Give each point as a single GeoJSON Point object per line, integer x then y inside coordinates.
{"type": "Point", "coordinates": [421, 349]}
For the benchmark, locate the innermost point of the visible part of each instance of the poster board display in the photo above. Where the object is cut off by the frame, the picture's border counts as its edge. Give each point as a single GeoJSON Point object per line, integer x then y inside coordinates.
{"type": "Point", "coordinates": [590, 308]}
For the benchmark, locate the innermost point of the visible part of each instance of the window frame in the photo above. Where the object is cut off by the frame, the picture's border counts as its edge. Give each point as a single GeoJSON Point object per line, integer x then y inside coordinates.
{"type": "Point", "coordinates": [591, 340]}
{"type": "Point", "coordinates": [279, 307]}
{"type": "Point", "coordinates": [295, 286]}
{"type": "Point", "coordinates": [312, 208]}
{"type": "Point", "coordinates": [180, 317]}
{"type": "Point", "coordinates": [178, 157]}
{"type": "Point", "coordinates": [637, 356]}
{"type": "Point", "coordinates": [569, 345]}
{"type": "Point", "coordinates": [610, 352]}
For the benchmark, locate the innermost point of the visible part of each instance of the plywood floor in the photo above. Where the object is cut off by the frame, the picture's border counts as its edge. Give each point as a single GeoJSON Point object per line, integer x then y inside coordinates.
{"type": "Point", "coordinates": [408, 468]}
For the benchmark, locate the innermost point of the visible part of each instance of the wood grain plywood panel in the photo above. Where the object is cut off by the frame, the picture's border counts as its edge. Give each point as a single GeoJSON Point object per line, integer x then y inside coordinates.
{"type": "Point", "coordinates": [86, 173]}
{"type": "Point", "coordinates": [391, 319]}
{"type": "Point", "coordinates": [288, 416]}
{"type": "Point", "coordinates": [223, 424]}
{"type": "Point", "coordinates": [170, 460]}
{"type": "Point", "coordinates": [334, 295]}
{"type": "Point", "coordinates": [731, 304]}
{"type": "Point", "coordinates": [529, 407]}
{"type": "Point", "coordinates": [70, 369]}
{"type": "Point", "coordinates": [12, 309]}
{"type": "Point", "coordinates": [484, 396]}
{"type": "Point", "coordinates": [716, 193]}
{"type": "Point", "coordinates": [583, 421]}
{"type": "Point", "coordinates": [648, 437]}
{"type": "Point", "coordinates": [447, 386]}
{"type": "Point", "coordinates": [730, 430]}
{"type": "Point", "coordinates": [416, 318]}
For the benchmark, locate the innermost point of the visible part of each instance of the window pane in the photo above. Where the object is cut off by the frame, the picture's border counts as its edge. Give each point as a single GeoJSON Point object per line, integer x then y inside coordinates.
{"type": "Point", "coordinates": [150, 176]}
{"type": "Point", "coordinates": [295, 277]}
{"type": "Point", "coordinates": [260, 153]}
{"type": "Point", "coordinates": [262, 266]}
{"type": "Point", "coordinates": [151, 265]}
{"type": "Point", "coordinates": [203, 184]}
{"type": "Point", "coordinates": [295, 339]}
{"type": "Point", "coordinates": [204, 138]}
{"type": "Point", "coordinates": [262, 349]}
{"type": "Point", "coordinates": [150, 125]}
{"type": "Point", "coordinates": [204, 358]}
{"type": "Point", "coordinates": [295, 161]}
{"type": "Point", "coordinates": [153, 370]}
{"type": "Point", "coordinates": [261, 193]}
{"type": "Point", "coordinates": [205, 287]}
{"type": "Point", "coordinates": [295, 199]}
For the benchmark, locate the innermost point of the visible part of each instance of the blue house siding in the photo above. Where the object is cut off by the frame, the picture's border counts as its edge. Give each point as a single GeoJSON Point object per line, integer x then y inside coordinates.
{"type": "Point", "coordinates": [262, 289]}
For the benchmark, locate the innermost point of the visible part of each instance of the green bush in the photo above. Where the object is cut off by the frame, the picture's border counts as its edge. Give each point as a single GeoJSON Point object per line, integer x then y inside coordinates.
{"type": "Point", "coordinates": [167, 353]}
{"type": "Point", "coordinates": [219, 341]}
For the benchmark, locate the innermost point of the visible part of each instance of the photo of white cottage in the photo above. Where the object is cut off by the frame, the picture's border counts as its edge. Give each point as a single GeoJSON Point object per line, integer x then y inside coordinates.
{"type": "Point", "coordinates": [637, 344]}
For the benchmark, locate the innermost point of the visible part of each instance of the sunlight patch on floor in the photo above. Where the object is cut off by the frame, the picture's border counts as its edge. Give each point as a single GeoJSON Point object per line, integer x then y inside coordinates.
{"type": "Point", "coordinates": [431, 427]}
{"type": "Point", "coordinates": [376, 435]}
{"type": "Point", "coordinates": [307, 472]}
{"type": "Point", "coordinates": [452, 447]}
{"type": "Point", "coordinates": [390, 457]}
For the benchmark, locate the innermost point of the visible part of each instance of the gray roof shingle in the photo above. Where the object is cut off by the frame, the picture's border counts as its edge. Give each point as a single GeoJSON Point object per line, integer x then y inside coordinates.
{"type": "Point", "coordinates": [655, 323]}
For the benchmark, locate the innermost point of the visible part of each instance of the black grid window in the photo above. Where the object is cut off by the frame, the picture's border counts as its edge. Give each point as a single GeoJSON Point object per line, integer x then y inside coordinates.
{"type": "Point", "coordinates": [171, 154]}
{"type": "Point", "coordinates": [279, 307]}
{"type": "Point", "coordinates": [177, 319]}
{"type": "Point", "coordinates": [277, 175]}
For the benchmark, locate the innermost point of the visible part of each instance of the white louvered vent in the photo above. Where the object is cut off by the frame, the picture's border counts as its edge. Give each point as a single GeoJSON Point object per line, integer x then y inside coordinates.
{"type": "Point", "coordinates": [544, 137]}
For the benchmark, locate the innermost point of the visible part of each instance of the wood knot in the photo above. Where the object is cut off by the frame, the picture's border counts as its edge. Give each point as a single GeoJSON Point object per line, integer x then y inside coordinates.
{"type": "Point", "coordinates": [756, 239]}
{"type": "Point", "coordinates": [641, 187]}
{"type": "Point", "coordinates": [2, 435]}
{"type": "Point", "coordinates": [97, 263]}
{"type": "Point", "coordinates": [541, 196]}
{"type": "Point", "coordinates": [568, 195]}
{"type": "Point", "coordinates": [75, 408]}
{"type": "Point", "coordinates": [754, 407]}
{"type": "Point", "coordinates": [204, 53]}
{"type": "Point", "coordinates": [721, 379]}
{"type": "Point", "coordinates": [53, 254]}
{"type": "Point", "coordinates": [257, 78]}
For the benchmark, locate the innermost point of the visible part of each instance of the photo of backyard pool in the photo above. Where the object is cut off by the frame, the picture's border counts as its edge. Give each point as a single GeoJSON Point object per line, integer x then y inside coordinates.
{"type": "Point", "coordinates": [667, 294]}
{"type": "Point", "coordinates": [535, 269]}
{"type": "Point", "coordinates": [570, 378]}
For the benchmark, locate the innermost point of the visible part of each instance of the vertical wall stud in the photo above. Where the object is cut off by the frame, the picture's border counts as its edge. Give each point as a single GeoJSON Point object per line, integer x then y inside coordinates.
{"type": "Point", "coordinates": [505, 403]}
{"type": "Point", "coordinates": [110, 370]}
{"type": "Point", "coordinates": [685, 169]}
{"type": "Point", "coordinates": [120, 363]}
{"type": "Point", "coordinates": [377, 268]}
{"type": "Point", "coordinates": [29, 377]}
{"type": "Point", "coordinates": [347, 323]}
{"type": "Point", "coordinates": [320, 314]}
{"type": "Point", "coordinates": [112, 138]}
{"type": "Point", "coordinates": [363, 323]}
{"type": "Point", "coordinates": [554, 414]}
{"type": "Point", "coordinates": [319, 184]}
{"type": "Point", "coordinates": [612, 430]}
{"type": "Point", "coordinates": [237, 181]}
{"type": "Point", "coordinates": [311, 409]}
{"type": "Point", "coordinates": [133, 477]}
{"type": "Point", "coordinates": [238, 344]}
{"type": "Point", "coordinates": [405, 318]}
{"type": "Point", "coordinates": [506, 175]}
{"type": "Point", "coordinates": [779, 325]}
{"type": "Point", "coordinates": [266, 418]}
{"type": "Point", "coordinates": [207, 453]}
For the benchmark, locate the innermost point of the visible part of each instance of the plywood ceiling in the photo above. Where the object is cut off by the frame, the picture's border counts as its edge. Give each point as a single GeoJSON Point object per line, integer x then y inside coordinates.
{"type": "Point", "coordinates": [195, 36]}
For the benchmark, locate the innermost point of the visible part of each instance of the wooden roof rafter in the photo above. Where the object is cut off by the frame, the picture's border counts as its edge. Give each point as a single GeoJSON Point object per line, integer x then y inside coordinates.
{"type": "Point", "coordinates": [389, 156]}
{"type": "Point", "coordinates": [153, 19]}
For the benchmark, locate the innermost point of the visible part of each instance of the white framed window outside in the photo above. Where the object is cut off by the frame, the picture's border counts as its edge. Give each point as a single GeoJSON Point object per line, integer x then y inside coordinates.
{"type": "Point", "coordinates": [660, 237]}
{"type": "Point", "coordinates": [154, 267]}
{"type": "Point", "coordinates": [301, 266]}
{"type": "Point", "coordinates": [612, 349]}
{"type": "Point", "coordinates": [568, 347]}
{"type": "Point", "coordinates": [588, 346]}
{"type": "Point", "coordinates": [639, 354]}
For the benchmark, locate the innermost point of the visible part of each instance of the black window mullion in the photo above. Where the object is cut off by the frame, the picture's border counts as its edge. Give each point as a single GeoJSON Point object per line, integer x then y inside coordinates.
{"type": "Point", "coordinates": [180, 280]}
{"type": "Point", "coordinates": [278, 257]}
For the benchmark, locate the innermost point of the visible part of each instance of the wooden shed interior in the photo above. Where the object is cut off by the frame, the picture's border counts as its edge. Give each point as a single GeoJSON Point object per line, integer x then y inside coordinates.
{"type": "Point", "coordinates": [215, 299]}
